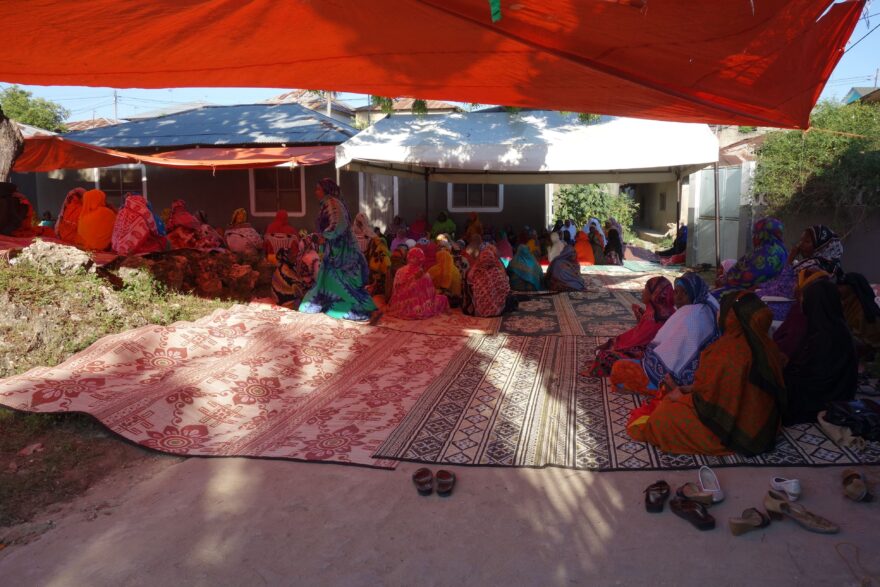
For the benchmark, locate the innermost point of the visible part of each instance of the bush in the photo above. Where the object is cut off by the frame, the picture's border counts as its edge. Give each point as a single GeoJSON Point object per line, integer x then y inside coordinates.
{"type": "Point", "coordinates": [581, 202]}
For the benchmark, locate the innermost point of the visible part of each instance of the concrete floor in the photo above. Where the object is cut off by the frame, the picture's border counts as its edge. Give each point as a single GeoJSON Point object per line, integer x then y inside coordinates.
{"type": "Point", "coordinates": [255, 522]}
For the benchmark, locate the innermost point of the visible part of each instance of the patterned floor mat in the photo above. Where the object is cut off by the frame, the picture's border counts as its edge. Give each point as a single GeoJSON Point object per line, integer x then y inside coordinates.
{"type": "Point", "coordinates": [252, 380]}
{"type": "Point", "coordinates": [518, 401]}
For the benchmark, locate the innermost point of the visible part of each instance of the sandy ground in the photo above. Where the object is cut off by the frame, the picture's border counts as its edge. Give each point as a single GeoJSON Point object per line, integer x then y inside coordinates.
{"type": "Point", "coordinates": [257, 522]}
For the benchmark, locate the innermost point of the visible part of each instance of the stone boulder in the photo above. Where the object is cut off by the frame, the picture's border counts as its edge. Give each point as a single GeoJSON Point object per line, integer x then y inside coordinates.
{"type": "Point", "coordinates": [57, 258]}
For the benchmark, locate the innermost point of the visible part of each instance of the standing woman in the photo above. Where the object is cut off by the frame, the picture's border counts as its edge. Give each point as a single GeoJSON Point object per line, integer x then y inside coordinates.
{"type": "Point", "coordinates": [339, 290]}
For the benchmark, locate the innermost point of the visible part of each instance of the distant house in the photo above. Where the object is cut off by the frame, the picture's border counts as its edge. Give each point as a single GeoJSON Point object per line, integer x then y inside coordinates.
{"type": "Point", "coordinates": [367, 115]}
{"type": "Point", "coordinates": [259, 191]}
{"type": "Point", "coordinates": [87, 124]}
{"type": "Point", "coordinates": [856, 94]}
{"type": "Point", "coordinates": [339, 110]}
{"type": "Point", "coordinates": [871, 97]}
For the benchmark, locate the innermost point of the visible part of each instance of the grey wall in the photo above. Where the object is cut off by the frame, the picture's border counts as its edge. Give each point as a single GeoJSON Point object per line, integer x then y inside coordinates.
{"type": "Point", "coordinates": [649, 198]}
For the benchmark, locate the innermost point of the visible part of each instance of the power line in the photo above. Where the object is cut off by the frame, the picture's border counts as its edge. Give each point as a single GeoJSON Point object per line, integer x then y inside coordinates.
{"type": "Point", "coordinates": [862, 38]}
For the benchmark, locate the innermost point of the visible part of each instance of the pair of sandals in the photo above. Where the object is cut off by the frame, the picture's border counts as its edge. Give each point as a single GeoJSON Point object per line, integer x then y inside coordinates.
{"type": "Point", "coordinates": [424, 479]}
{"type": "Point", "coordinates": [691, 500]}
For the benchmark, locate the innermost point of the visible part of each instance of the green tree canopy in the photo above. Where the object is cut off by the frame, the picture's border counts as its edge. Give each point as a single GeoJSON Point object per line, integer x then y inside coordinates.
{"type": "Point", "coordinates": [834, 165]}
{"type": "Point", "coordinates": [580, 202]}
{"type": "Point", "coordinates": [21, 106]}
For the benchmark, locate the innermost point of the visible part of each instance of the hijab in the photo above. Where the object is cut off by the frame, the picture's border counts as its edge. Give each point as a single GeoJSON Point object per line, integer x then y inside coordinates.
{"type": "Point", "coordinates": [827, 252]}
{"type": "Point", "coordinates": [96, 221]}
{"type": "Point", "coordinates": [503, 245]}
{"type": "Point", "coordinates": [280, 225]}
{"type": "Point", "coordinates": [444, 273]}
{"type": "Point", "coordinates": [556, 247]}
{"type": "Point", "coordinates": [525, 267]}
{"type": "Point", "coordinates": [238, 217]}
{"type": "Point", "coordinates": [329, 187]}
{"type": "Point", "coordinates": [659, 308]}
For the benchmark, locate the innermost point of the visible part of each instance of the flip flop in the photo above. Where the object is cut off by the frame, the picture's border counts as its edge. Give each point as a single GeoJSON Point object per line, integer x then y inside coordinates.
{"type": "Point", "coordinates": [751, 519]}
{"type": "Point", "coordinates": [693, 512]}
{"type": "Point", "coordinates": [445, 483]}
{"type": "Point", "coordinates": [656, 495]}
{"type": "Point", "coordinates": [710, 484]}
{"type": "Point", "coordinates": [855, 486]}
{"type": "Point", "coordinates": [424, 481]}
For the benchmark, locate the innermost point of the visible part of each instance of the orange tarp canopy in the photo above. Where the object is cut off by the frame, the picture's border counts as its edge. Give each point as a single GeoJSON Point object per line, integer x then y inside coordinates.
{"type": "Point", "coordinates": [47, 153]}
{"type": "Point", "coordinates": [749, 62]}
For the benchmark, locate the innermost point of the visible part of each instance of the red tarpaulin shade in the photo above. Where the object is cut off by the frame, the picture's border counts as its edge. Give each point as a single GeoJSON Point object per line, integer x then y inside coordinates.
{"type": "Point", "coordinates": [750, 62]}
{"type": "Point", "coordinates": [47, 153]}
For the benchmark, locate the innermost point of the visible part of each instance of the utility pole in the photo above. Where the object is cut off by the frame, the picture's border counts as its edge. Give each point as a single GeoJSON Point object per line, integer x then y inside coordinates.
{"type": "Point", "coordinates": [329, 95]}
{"type": "Point", "coordinates": [876, 76]}
{"type": "Point", "coordinates": [115, 103]}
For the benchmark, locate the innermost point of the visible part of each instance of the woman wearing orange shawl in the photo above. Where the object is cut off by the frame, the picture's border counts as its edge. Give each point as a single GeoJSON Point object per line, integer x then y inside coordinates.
{"type": "Point", "coordinates": [474, 226]}
{"type": "Point", "coordinates": [738, 394]}
{"type": "Point", "coordinates": [584, 249]}
{"type": "Point", "coordinates": [446, 277]}
{"type": "Point", "coordinates": [68, 219]}
{"type": "Point", "coordinates": [96, 221]}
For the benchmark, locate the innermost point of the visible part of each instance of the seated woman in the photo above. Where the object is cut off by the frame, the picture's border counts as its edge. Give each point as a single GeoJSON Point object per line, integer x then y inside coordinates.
{"type": "Point", "coordinates": [486, 288]}
{"type": "Point", "coordinates": [186, 231]}
{"type": "Point", "coordinates": [135, 231]}
{"type": "Point", "coordinates": [735, 401]}
{"type": "Point", "coordinates": [658, 297]}
{"type": "Point", "coordinates": [26, 225]}
{"type": "Point", "coordinates": [378, 260]}
{"type": "Point", "coordinates": [360, 227]}
{"type": "Point", "coordinates": [241, 237]}
{"type": "Point", "coordinates": [430, 249]}
{"type": "Point", "coordinates": [396, 262]}
{"type": "Point", "coordinates": [862, 313]}
{"type": "Point", "coordinates": [414, 296]}
{"type": "Point", "coordinates": [584, 249]}
{"type": "Point", "coordinates": [597, 241]}
{"type": "Point", "coordinates": [557, 245]}
{"type": "Point", "coordinates": [473, 227]}
{"type": "Point", "coordinates": [293, 277]}
{"type": "Point", "coordinates": [534, 243]}
{"type": "Point", "coordinates": [474, 246]}
{"type": "Point", "coordinates": [614, 249]}
{"type": "Point", "coordinates": [819, 248]}
{"type": "Point", "coordinates": [676, 348]}
{"type": "Point", "coordinates": [505, 249]}
{"type": "Point", "coordinates": [446, 277]}
{"type": "Point", "coordinates": [524, 271]}
{"type": "Point", "coordinates": [763, 263]}
{"type": "Point", "coordinates": [68, 218]}
{"type": "Point", "coordinates": [564, 272]}
{"type": "Point", "coordinates": [96, 221]}
{"type": "Point", "coordinates": [419, 228]}
{"type": "Point", "coordinates": [278, 233]}
{"type": "Point", "coordinates": [443, 225]}
{"type": "Point", "coordinates": [679, 245]}
{"type": "Point", "coordinates": [823, 367]}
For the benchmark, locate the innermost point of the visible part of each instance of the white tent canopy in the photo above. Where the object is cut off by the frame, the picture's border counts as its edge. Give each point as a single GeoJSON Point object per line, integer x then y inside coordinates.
{"type": "Point", "coordinates": [528, 148]}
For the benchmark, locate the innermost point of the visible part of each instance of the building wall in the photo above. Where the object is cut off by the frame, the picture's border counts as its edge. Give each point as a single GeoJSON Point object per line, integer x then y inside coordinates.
{"type": "Point", "coordinates": [653, 215]}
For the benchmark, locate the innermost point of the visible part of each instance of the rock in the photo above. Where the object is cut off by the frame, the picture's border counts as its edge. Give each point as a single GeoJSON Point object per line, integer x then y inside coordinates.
{"type": "Point", "coordinates": [55, 257]}
{"type": "Point", "coordinates": [31, 449]}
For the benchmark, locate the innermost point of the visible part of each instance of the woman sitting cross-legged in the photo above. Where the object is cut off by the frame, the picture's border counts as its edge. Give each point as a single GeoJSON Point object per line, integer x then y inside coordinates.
{"type": "Point", "coordinates": [658, 298]}
{"type": "Point", "coordinates": [414, 296]}
{"type": "Point", "coordinates": [676, 348]}
{"type": "Point", "coordinates": [524, 271]}
{"type": "Point", "coordinates": [96, 222]}
{"type": "Point", "coordinates": [446, 277]}
{"type": "Point", "coordinates": [564, 272]}
{"type": "Point", "coordinates": [735, 402]}
{"type": "Point", "coordinates": [486, 289]}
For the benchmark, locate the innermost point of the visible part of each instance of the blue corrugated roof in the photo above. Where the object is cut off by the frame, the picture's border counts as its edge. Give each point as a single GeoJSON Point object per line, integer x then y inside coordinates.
{"type": "Point", "coordinates": [244, 124]}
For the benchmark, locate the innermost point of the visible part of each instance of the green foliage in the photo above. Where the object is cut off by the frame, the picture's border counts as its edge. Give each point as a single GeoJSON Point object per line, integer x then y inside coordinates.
{"type": "Point", "coordinates": [420, 107]}
{"type": "Point", "coordinates": [747, 129]}
{"type": "Point", "coordinates": [386, 105]}
{"type": "Point", "coordinates": [832, 166]}
{"type": "Point", "coordinates": [581, 202]}
{"type": "Point", "coordinates": [586, 117]}
{"type": "Point", "coordinates": [21, 106]}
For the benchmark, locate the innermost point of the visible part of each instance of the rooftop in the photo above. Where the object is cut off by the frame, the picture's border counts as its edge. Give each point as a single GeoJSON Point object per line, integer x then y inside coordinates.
{"type": "Point", "coordinates": [406, 104]}
{"type": "Point", "coordinates": [310, 100]}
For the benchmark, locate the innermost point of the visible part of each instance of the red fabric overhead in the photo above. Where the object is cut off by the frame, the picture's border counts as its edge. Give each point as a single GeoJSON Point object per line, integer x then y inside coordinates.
{"type": "Point", "coordinates": [47, 153]}
{"type": "Point", "coordinates": [761, 62]}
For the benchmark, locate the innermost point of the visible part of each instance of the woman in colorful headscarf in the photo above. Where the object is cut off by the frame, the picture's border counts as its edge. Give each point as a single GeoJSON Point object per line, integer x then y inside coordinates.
{"type": "Point", "coordinates": [135, 231]}
{"type": "Point", "coordinates": [293, 277]}
{"type": "Point", "coordinates": [505, 249]}
{"type": "Point", "coordinates": [584, 249]}
{"type": "Point", "coordinates": [486, 288]}
{"type": "Point", "coordinates": [564, 272]}
{"type": "Point", "coordinates": [534, 243]}
{"type": "Point", "coordinates": [241, 237]}
{"type": "Point", "coordinates": [340, 290]}
{"type": "Point", "coordinates": [614, 249]}
{"type": "Point", "coordinates": [446, 277]}
{"type": "Point", "coordinates": [443, 225]}
{"type": "Point", "coordinates": [675, 350]}
{"type": "Point", "coordinates": [474, 227]}
{"type": "Point", "coordinates": [763, 263]}
{"type": "Point", "coordinates": [819, 248]}
{"type": "Point", "coordinates": [594, 222]}
{"type": "Point", "coordinates": [379, 260]}
{"type": "Point", "coordinates": [415, 297]}
{"type": "Point", "coordinates": [658, 297]}
{"type": "Point", "coordinates": [68, 218]}
{"type": "Point", "coordinates": [736, 399]}
{"type": "Point", "coordinates": [362, 231]}
{"type": "Point", "coordinates": [96, 221]}
{"type": "Point", "coordinates": [524, 271]}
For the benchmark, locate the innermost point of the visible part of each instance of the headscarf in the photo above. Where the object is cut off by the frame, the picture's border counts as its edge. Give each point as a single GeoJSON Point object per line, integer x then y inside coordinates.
{"type": "Point", "coordinates": [488, 284]}
{"type": "Point", "coordinates": [827, 252]}
{"type": "Point", "coordinates": [662, 298]}
{"type": "Point", "coordinates": [584, 249]}
{"type": "Point", "coordinates": [595, 222]}
{"type": "Point", "coordinates": [764, 262]}
{"type": "Point", "coordinates": [660, 307]}
{"type": "Point", "coordinates": [329, 187]}
{"type": "Point", "coordinates": [414, 296]}
{"type": "Point", "coordinates": [614, 244]}
{"type": "Point", "coordinates": [238, 217]}
{"type": "Point", "coordinates": [362, 231]}
{"type": "Point", "coordinates": [135, 230]}
{"type": "Point", "coordinates": [612, 221]}
{"type": "Point", "coordinates": [68, 218]}
{"type": "Point", "coordinates": [697, 289]}
{"type": "Point", "coordinates": [525, 268]}
{"type": "Point", "coordinates": [505, 250]}
{"type": "Point", "coordinates": [378, 255]}
{"type": "Point", "coordinates": [280, 225]}
{"type": "Point", "coordinates": [444, 273]}
{"type": "Point", "coordinates": [96, 221]}
{"type": "Point", "coordinates": [564, 272]}
{"type": "Point", "coordinates": [556, 248]}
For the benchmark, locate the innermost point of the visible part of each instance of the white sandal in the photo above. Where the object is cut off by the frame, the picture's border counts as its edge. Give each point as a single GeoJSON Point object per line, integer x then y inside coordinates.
{"type": "Point", "coordinates": [709, 483]}
{"type": "Point", "coordinates": [790, 487]}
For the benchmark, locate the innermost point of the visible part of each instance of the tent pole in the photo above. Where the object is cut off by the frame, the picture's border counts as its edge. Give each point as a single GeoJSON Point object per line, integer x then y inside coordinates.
{"type": "Point", "coordinates": [677, 198]}
{"type": "Point", "coordinates": [717, 217]}
{"type": "Point", "coordinates": [426, 195]}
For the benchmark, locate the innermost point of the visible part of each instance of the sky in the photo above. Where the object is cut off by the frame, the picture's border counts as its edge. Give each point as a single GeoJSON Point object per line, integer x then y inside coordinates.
{"type": "Point", "coordinates": [858, 67]}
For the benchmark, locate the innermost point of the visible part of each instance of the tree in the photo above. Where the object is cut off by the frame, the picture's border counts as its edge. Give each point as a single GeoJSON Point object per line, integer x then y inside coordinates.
{"type": "Point", "coordinates": [581, 202]}
{"type": "Point", "coordinates": [834, 166]}
{"type": "Point", "coordinates": [21, 106]}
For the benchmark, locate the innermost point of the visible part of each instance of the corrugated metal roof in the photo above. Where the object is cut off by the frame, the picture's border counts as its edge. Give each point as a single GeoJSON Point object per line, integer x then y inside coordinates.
{"type": "Point", "coordinates": [243, 124]}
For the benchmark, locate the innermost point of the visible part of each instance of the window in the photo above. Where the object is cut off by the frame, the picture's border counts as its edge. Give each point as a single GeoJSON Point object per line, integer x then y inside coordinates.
{"type": "Point", "coordinates": [120, 180]}
{"type": "Point", "coordinates": [278, 188]}
{"type": "Point", "coordinates": [475, 197]}
{"type": "Point", "coordinates": [662, 201]}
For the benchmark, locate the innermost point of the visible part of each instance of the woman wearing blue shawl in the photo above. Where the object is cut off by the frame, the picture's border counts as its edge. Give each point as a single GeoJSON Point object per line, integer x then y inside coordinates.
{"type": "Point", "coordinates": [524, 272]}
{"type": "Point", "coordinates": [564, 273]}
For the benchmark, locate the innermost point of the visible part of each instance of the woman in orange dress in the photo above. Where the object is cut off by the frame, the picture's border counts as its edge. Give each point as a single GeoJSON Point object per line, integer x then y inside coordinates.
{"type": "Point", "coordinates": [96, 222]}
{"type": "Point", "coordinates": [584, 249]}
{"type": "Point", "coordinates": [738, 394]}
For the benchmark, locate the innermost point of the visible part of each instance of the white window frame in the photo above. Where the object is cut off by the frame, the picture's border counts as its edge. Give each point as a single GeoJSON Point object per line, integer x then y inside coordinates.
{"type": "Point", "coordinates": [302, 193]}
{"type": "Point", "coordinates": [140, 166]}
{"type": "Point", "coordinates": [488, 210]}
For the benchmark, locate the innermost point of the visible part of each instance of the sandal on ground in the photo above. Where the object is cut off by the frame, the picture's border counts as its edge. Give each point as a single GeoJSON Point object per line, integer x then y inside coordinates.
{"type": "Point", "coordinates": [751, 519]}
{"type": "Point", "coordinates": [790, 487]}
{"type": "Point", "coordinates": [778, 506]}
{"type": "Point", "coordinates": [693, 492]}
{"type": "Point", "coordinates": [445, 483]}
{"type": "Point", "coordinates": [656, 495]}
{"type": "Point", "coordinates": [693, 512]}
{"type": "Point", "coordinates": [424, 481]}
{"type": "Point", "coordinates": [709, 483]}
{"type": "Point", "coordinates": [855, 486]}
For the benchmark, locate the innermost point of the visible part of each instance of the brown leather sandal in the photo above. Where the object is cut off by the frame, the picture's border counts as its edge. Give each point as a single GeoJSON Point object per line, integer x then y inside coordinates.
{"type": "Point", "coordinates": [656, 495]}
{"type": "Point", "coordinates": [693, 492]}
{"type": "Point", "coordinates": [694, 512]}
{"type": "Point", "coordinates": [855, 486]}
{"type": "Point", "coordinates": [445, 483]}
{"type": "Point", "coordinates": [424, 481]}
{"type": "Point", "coordinates": [751, 519]}
{"type": "Point", "coordinates": [778, 507]}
